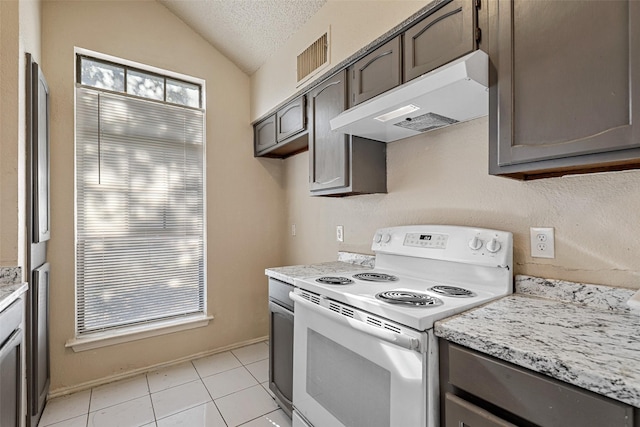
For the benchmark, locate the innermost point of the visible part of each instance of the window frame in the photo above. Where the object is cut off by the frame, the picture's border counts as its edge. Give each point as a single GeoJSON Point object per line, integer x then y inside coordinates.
{"type": "Point", "coordinates": [141, 68]}
{"type": "Point", "coordinates": [159, 327]}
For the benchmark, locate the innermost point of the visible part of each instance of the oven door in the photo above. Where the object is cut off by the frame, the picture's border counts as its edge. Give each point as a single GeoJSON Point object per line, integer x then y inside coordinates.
{"type": "Point", "coordinates": [350, 373]}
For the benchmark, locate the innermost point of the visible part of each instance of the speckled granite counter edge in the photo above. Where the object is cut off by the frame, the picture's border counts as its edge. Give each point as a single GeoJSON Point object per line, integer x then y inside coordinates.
{"type": "Point", "coordinates": [10, 293]}
{"type": "Point", "coordinates": [368, 261]}
{"type": "Point", "coordinates": [596, 296]}
{"type": "Point", "coordinates": [575, 310]}
{"type": "Point", "coordinates": [427, 9]}
{"type": "Point", "coordinates": [347, 261]}
{"type": "Point", "coordinates": [10, 275]}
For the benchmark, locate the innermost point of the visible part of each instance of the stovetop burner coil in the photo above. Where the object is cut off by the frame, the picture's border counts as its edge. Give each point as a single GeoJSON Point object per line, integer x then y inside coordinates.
{"type": "Point", "coordinates": [415, 299]}
{"type": "Point", "coordinates": [334, 280]}
{"type": "Point", "coordinates": [452, 291]}
{"type": "Point", "coordinates": [375, 277]}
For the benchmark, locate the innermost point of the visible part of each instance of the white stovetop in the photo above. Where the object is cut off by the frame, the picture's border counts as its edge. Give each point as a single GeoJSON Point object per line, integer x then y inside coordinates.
{"type": "Point", "coordinates": [361, 294]}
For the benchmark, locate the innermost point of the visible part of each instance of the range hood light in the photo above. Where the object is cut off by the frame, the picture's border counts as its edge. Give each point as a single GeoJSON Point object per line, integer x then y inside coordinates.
{"type": "Point", "coordinates": [397, 113]}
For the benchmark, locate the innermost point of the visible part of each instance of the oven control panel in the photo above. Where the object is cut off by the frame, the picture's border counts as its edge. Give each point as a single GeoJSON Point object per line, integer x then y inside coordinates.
{"type": "Point", "coordinates": [469, 245]}
{"type": "Point", "coordinates": [426, 240]}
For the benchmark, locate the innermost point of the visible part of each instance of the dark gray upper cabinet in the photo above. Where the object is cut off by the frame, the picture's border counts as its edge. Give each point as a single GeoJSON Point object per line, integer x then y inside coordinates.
{"type": "Point", "coordinates": [283, 133]}
{"type": "Point", "coordinates": [377, 72]}
{"type": "Point", "coordinates": [441, 37]}
{"type": "Point", "coordinates": [291, 119]}
{"type": "Point", "coordinates": [264, 134]}
{"type": "Point", "coordinates": [328, 154]}
{"type": "Point", "coordinates": [339, 164]}
{"type": "Point", "coordinates": [565, 90]}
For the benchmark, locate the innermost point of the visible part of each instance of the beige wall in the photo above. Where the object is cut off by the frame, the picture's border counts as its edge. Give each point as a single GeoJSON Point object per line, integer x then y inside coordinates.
{"type": "Point", "coordinates": [245, 196]}
{"type": "Point", "coordinates": [20, 33]}
{"type": "Point", "coordinates": [9, 146]}
{"type": "Point", "coordinates": [441, 177]}
{"type": "Point", "coordinates": [352, 25]}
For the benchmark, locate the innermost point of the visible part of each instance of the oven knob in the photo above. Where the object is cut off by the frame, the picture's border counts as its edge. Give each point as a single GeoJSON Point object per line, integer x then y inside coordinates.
{"type": "Point", "coordinates": [377, 238]}
{"type": "Point", "coordinates": [493, 246]}
{"type": "Point", "coordinates": [475, 243]}
{"type": "Point", "coordinates": [386, 238]}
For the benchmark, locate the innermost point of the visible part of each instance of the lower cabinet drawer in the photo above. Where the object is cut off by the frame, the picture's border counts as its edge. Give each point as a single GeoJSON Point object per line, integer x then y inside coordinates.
{"type": "Point", "coordinates": [11, 369]}
{"type": "Point", "coordinates": [460, 413]}
{"type": "Point", "coordinates": [10, 319]}
{"type": "Point", "coordinates": [534, 397]}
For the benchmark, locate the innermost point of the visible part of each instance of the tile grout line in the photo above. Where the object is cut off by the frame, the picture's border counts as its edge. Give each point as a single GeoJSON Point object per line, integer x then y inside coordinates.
{"type": "Point", "coordinates": [199, 377]}
{"type": "Point", "coordinates": [89, 407]}
{"type": "Point", "coordinates": [153, 408]}
{"type": "Point", "coordinates": [189, 382]}
{"type": "Point", "coordinates": [259, 416]}
{"type": "Point", "coordinates": [209, 393]}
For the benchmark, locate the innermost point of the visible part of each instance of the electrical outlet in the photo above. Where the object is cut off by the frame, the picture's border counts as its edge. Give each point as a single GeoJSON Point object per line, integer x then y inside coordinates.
{"type": "Point", "coordinates": [542, 242]}
{"type": "Point", "coordinates": [293, 229]}
{"type": "Point", "coordinates": [339, 233]}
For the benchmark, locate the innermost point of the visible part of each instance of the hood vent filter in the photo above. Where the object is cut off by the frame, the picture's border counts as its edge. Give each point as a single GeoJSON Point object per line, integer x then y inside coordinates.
{"type": "Point", "coordinates": [426, 122]}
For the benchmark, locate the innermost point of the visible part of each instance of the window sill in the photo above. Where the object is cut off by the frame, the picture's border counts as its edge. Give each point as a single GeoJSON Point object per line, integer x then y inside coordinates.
{"type": "Point", "coordinates": [104, 339]}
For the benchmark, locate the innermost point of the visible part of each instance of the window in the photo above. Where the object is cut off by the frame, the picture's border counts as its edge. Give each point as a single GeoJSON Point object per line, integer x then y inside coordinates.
{"type": "Point", "coordinates": [140, 225]}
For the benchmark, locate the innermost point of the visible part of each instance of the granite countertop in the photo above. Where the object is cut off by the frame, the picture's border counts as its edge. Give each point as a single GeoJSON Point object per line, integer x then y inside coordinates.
{"type": "Point", "coordinates": [346, 262]}
{"type": "Point", "coordinates": [581, 334]}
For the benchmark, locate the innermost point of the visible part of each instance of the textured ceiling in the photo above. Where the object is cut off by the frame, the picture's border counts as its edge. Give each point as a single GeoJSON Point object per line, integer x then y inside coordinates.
{"type": "Point", "coordinates": [245, 31]}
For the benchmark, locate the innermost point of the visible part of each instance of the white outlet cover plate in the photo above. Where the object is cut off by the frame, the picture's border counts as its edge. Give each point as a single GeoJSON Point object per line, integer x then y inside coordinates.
{"type": "Point", "coordinates": [542, 242]}
{"type": "Point", "coordinates": [339, 233]}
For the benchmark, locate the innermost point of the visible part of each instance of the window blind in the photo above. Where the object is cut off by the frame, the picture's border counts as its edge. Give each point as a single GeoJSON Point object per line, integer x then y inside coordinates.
{"type": "Point", "coordinates": [139, 211]}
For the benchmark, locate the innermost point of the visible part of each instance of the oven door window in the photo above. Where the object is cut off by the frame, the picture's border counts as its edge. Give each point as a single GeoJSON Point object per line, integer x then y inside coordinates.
{"type": "Point", "coordinates": [334, 372]}
{"type": "Point", "coordinates": [344, 376]}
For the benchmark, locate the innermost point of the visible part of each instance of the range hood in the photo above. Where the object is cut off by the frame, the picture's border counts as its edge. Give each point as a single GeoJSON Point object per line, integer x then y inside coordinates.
{"type": "Point", "coordinates": [455, 92]}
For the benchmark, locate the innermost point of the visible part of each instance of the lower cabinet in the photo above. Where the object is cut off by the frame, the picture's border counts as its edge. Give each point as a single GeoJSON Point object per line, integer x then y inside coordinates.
{"type": "Point", "coordinates": [458, 412]}
{"type": "Point", "coordinates": [477, 390]}
{"type": "Point", "coordinates": [340, 164]}
{"type": "Point", "coordinates": [11, 369]}
{"type": "Point", "coordinates": [281, 344]}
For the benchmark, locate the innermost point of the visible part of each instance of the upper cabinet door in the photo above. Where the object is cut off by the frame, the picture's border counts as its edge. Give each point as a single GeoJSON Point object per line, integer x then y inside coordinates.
{"type": "Point", "coordinates": [441, 37]}
{"type": "Point", "coordinates": [377, 72]}
{"type": "Point", "coordinates": [264, 134]}
{"type": "Point", "coordinates": [568, 84]}
{"type": "Point", "coordinates": [291, 119]}
{"type": "Point", "coordinates": [328, 149]}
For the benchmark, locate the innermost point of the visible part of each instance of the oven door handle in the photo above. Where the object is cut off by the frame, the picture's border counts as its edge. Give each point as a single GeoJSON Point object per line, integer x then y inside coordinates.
{"type": "Point", "coordinates": [391, 337]}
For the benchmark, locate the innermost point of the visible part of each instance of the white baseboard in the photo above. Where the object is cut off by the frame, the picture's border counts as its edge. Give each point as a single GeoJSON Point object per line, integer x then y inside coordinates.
{"type": "Point", "coordinates": [63, 391]}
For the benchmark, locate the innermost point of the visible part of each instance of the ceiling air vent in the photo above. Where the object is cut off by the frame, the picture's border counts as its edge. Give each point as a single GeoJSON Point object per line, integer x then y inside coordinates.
{"type": "Point", "coordinates": [313, 58]}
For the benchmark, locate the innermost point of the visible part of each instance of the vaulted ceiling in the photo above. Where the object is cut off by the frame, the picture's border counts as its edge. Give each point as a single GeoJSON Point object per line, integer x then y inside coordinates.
{"type": "Point", "coordinates": [245, 31]}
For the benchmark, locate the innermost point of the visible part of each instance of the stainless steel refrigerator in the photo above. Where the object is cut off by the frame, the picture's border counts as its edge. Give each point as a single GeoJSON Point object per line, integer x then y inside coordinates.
{"type": "Point", "coordinates": [38, 233]}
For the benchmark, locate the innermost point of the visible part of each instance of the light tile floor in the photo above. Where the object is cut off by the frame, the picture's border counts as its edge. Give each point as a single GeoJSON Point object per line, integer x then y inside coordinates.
{"type": "Point", "coordinates": [226, 389]}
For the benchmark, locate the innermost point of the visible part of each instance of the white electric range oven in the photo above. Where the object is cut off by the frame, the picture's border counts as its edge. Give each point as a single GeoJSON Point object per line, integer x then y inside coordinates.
{"type": "Point", "coordinates": [365, 353]}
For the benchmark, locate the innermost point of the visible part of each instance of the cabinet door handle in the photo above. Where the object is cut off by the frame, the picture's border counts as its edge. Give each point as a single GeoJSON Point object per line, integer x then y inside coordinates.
{"type": "Point", "coordinates": [327, 182]}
